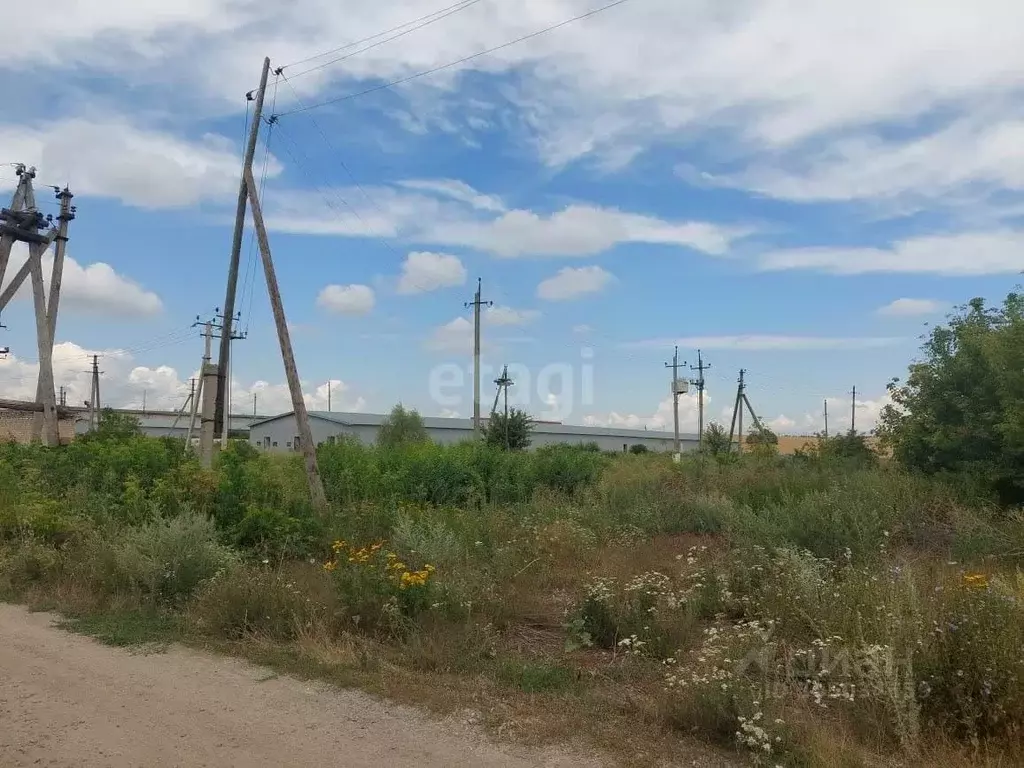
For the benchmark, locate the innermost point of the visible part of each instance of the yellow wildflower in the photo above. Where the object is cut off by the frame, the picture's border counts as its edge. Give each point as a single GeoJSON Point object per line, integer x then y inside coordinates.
{"type": "Point", "coordinates": [330, 565]}
{"type": "Point", "coordinates": [976, 580]}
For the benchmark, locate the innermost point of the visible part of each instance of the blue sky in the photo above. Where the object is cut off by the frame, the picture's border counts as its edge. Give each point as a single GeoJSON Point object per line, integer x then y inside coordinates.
{"type": "Point", "coordinates": [796, 188]}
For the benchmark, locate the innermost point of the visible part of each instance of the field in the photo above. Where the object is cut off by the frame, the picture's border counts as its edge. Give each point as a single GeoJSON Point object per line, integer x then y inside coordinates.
{"type": "Point", "coordinates": [765, 610]}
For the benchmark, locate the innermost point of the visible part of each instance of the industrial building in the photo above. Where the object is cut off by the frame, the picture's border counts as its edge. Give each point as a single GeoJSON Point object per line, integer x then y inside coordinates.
{"type": "Point", "coordinates": [167, 423]}
{"type": "Point", "coordinates": [280, 433]}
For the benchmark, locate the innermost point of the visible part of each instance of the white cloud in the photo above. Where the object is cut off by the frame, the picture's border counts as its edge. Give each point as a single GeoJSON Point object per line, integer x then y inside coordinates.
{"type": "Point", "coordinates": [582, 330]}
{"type": "Point", "coordinates": [577, 230]}
{"type": "Point", "coordinates": [124, 384]}
{"type": "Point", "coordinates": [931, 166]}
{"type": "Point", "coordinates": [911, 307]}
{"type": "Point", "coordinates": [509, 316]}
{"type": "Point", "coordinates": [763, 342]}
{"type": "Point", "coordinates": [346, 299]}
{"type": "Point", "coordinates": [423, 271]}
{"type": "Point", "coordinates": [970, 253]}
{"type": "Point", "coordinates": [660, 419]}
{"type": "Point", "coordinates": [457, 190]}
{"type": "Point", "coordinates": [571, 283]}
{"type": "Point", "coordinates": [455, 336]}
{"type": "Point", "coordinates": [142, 167]}
{"type": "Point", "coordinates": [95, 288]}
{"type": "Point", "coordinates": [427, 216]}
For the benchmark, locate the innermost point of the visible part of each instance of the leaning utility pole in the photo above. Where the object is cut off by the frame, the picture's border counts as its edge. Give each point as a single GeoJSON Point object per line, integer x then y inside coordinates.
{"type": "Point", "coordinates": [236, 250]}
{"type": "Point", "coordinates": [208, 339]}
{"type": "Point", "coordinates": [674, 365]}
{"type": "Point", "coordinates": [316, 486]}
{"type": "Point", "coordinates": [476, 303]}
{"type": "Point", "coordinates": [23, 222]}
{"type": "Point", "coordinates": [699, 383]}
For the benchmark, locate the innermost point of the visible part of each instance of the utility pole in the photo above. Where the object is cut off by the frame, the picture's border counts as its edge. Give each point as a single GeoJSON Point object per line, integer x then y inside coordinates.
{"type": "Point", "coordinates": [207, 424]}
{"type": "Point", "coordinates": [62, 398]}
{"type": "Point", "coordinates": [253, 403]}
{"type": "Point", "coordinates": [699, 383]}
{"type": "Point", "coordinates": [737, 411]}
{"type": "Point", "coordinates": [316, 486]}
{"type": "Point", "coordinates": [328, 395]}
{"type": "Point", "coordinates": [184, 407]}
{"type": "Point", "coordinates": [853, 411]}
{"type": "Point", "coordinates": [826, 418]}
{"type": "Point", "coordinates": [236, 247]}
{"type": "Point", "coordinates": [674, 365]}
{"type": "Point", "coordinates": [143, 400]}
{"type": "Point", "coordinates": [503, 384]}
{"type": "Point", "coordinates": [476, 303]}
{"type": "Point", "coordinates": [23, 222]}
{"type": "Point", "coordinates": [94, 395]}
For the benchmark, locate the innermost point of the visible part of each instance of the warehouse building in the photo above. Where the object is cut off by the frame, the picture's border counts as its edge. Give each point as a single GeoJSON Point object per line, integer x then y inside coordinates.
{"type": "Point", "coordinates": [280, 433]}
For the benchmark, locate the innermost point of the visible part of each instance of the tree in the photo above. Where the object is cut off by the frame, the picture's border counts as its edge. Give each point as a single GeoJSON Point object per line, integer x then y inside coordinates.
{"type": "Point", "coordinates": [511, 433]}
{"type": "Point", "coordinates": [846, 447]}
{"type": "Point", "coordinates": [402, 427]}
{"type": "Point", "coordinates": [115, 426]}
{"type": "Point", "coordinates": [763, 442]}
{"type": "Point", "coordinates": [716, 439]}
{"type": "Point", "coordinates": [638, 448]}
{"type": "Point", "coordinates": [961, 409]}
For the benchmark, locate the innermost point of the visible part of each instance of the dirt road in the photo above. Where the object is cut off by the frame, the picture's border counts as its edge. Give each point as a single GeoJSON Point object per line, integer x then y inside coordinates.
{"type": "Point", "coordinates": [66, 700]}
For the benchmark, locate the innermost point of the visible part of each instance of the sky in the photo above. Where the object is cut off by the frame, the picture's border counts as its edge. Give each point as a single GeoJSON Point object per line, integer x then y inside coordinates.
{"type": "Point", "coordinates": [796, 188]}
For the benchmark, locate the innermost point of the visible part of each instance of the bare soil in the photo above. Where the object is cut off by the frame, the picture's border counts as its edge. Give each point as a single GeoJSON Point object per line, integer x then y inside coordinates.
{"type": "Point", "coordinates": [66, 700]}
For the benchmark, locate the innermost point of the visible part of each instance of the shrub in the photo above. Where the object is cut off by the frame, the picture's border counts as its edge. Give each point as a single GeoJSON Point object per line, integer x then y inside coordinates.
{"type": "Point", "coordinates": [402, 427]}
{"type": "Point", "coordinates": [162, 561]}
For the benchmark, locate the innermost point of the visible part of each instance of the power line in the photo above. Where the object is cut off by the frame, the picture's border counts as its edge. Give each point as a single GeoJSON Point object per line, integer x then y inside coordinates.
{"type": "Point", "coordinates": [455, 63]}
{"type": "Point", "coordinates": [443, 15]}
{"type": "Point", "coordinates": [353, 44]}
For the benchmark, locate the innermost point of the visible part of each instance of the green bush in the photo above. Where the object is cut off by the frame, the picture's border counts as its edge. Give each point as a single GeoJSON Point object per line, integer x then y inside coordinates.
{"type": "Point", "coordinates": [161, 561]}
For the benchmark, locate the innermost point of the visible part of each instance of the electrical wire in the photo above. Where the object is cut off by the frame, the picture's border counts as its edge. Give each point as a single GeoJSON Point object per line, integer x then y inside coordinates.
{"type": "Point", "coordinates": [353, 44]}
{"type": "Point", "coordinates": [449, 12]}
{"type": "Point", "coordinates": [449, 65]}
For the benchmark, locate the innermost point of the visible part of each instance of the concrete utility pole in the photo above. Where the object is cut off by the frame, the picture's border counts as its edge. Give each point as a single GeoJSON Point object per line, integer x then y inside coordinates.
{"type": "Point", "coordinates": [236, 246]}
{"type": "Point", "coordinates": [742, 401]}
{"type": "Point", "coordinates": [826, 418]}
{"type": "Point", "coordinates": [328, 395]}
{"type": "Point", "coordinates": [316, 486]}
{"type": "Point", "coordinates": [208, 337]}
{"type": "Point", "coordinates": [674, 365]}
{"type": "Point", "coordinates": [503, 384]}
{"type": "Point", "coordinates": [476, 304]}
{"type": "Point", "coordinates": [94, 396]}
{"type": "Point", "coordinates": [699, 383]}
{"type": "Point", "coordinates": [737, 411]}
{"type": "Point", "coordinates": [23, 222]}
{"type": "Point", "coordinates": [208, 384]}
{"type": "Point", "coordinates": [853, 412]}
{"type": "Point", "coordinates": [184, 407]}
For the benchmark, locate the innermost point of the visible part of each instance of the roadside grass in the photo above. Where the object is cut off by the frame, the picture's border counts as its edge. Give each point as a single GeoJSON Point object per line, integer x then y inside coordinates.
{"type": "Point", "coordinates": [765, 611]}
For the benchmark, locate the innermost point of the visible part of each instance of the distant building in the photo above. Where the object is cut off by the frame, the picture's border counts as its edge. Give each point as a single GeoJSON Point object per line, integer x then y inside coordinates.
{"type": "Point", "coordinates": [167, 423]}
{"type": "Point", "coordinates": [280, 433]}
{"type": "Point", "coordinates": [16, 426]}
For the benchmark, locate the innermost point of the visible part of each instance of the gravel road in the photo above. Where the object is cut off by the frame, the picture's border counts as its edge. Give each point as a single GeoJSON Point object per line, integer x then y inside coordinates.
{"type": "Point", "coordinates": [66, 700]}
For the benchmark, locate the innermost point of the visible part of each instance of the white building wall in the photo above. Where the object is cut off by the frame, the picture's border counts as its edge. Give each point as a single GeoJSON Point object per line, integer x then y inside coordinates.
{"type": "Point", "coordinates": [279, 435]}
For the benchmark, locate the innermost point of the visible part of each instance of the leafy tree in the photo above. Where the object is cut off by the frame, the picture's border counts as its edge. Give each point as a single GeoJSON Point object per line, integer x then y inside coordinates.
{"type": "Point", "coordinates": [763, 442]}
{"type": "Point", "coordinates": [115, 426]}
{"type": "Point", "coordinates": [847, 447]}
{"type": "Point", "coordinates": [511, 433]}
{"type": "Point", "coordinates": [961, 409]}
{"type": "Point", "coordinates": [638, 448]}
{"type": "Point", "coordinates": [402, 427]}
{"type": "Point", "coordinates": [716, 439]}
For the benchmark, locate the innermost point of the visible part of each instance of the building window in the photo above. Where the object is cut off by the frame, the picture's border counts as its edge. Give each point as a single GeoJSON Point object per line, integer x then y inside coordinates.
{"type": "Point", "coordinates": [275, 444]}
{"type": "Point", "coordinates": [296, 442]}
{"type": "Point", "coordinates": [288, 444]}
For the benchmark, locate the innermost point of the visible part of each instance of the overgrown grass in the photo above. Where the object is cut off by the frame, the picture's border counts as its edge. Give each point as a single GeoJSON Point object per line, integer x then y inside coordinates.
{"type": "Point", "coordinates": [758, 603]}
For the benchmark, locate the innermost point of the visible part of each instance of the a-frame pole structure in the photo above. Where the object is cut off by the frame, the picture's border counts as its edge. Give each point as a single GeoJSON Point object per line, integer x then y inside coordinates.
{"type": "Point", "coordinates": [249, 196]}
{"type": "Point", "coordinates": [221, 416]}
{"type": "Point", "coordinates": [23, 222]}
